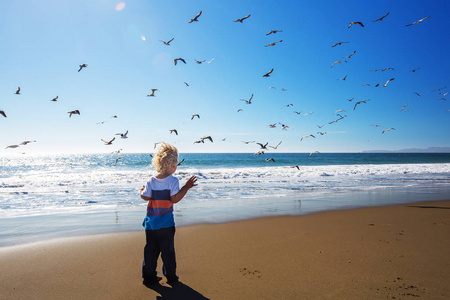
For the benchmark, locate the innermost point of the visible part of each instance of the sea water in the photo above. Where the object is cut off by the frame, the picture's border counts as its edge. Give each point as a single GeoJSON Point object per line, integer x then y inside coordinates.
{"type": "Point", "coordinates": [50, 196]}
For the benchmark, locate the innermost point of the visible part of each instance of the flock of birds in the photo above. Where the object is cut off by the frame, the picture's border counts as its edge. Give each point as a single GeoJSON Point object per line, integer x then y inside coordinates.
{"type": "Point", "coordinates": [262, 146]}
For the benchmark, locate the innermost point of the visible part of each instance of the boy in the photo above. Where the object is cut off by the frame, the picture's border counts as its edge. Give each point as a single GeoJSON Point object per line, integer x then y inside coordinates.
{"type": "Point", "coordinates": [161, 192]}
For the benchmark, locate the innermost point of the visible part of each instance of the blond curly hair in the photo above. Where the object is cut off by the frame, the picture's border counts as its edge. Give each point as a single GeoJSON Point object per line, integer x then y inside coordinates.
{"type": "Point", "coordinates": [165, 157]}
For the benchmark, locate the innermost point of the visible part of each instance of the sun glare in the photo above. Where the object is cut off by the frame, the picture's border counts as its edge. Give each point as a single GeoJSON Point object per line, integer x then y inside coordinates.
{"type": "Point", "coordinates": [120, 6]}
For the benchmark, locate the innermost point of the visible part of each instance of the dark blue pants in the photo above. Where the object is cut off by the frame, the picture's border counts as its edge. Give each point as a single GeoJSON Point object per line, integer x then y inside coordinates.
{"type": "Point", "coordinates": [160, 241]}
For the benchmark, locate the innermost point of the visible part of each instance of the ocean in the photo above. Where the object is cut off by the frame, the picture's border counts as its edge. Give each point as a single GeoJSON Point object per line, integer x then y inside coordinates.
{"type": "Point", "coordinates": [45, 197]}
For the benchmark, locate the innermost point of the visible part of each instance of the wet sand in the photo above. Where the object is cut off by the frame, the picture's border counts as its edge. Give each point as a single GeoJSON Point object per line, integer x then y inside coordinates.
{"type": "Point", "coordinates": [392, 252]}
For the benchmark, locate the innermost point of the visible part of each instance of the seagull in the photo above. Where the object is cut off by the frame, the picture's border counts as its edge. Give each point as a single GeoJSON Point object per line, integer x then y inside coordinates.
{"type": "Point", "coordinates": [210, 61]}
{"type": "Point", "coordinates": [258, 153]}
{"type": "Point", "coordinates": [269, 159]}
{"type": "Point", "coordinates": [298, 168]}
{"type": "Point", "coordinates": [200, 61]}
{"type": "Point", "coordinates": [376, 125]}
{"type": "Point", "coordinates": [27, 142]}
{"type": "Point", "coordinates": [240, 109]}
{"type": "Point", "coordinates": [389, 129]}
{"type": "Point", "coordinates": [437, 90]}
{"type": "Point", "coordinates": [350, 100]}
{"type": "Point", "coordinates": [101, 123]}
{"type": "Point", "coordinates": [263, 146]}
{"type": "Point", "coordinates": [207, 138]}
{"type": "Point", "coordinates": [274, 31]}
{"type": "Point", "coordinates": [442, 99]}
{"type": "Point", "coordinates": [283, 89]}
{"type": "Point", "coordinates": [82, 66]}
{"type": "Point", "coordinates": [273, 44]}
{"type": "Point", "coordinates": [337, 62]}
{"type": "Point", "coordinates": [320, 126]}
{"type": "Point", "coordinates": [284, 127]}
{"type": "Point", "coordinates": [298, 112]}
{"type": "Point", "coordinates": [340, 110]}
{"type": "Point", "coordinates": [117, 159]}
{"type": "Point", "coordinates": [274, 125]}
{"type": "Point", "coordinates": [268, 73]}
{"type": "Point", "coordinates": [366, 84]}
{"type": "Point", "coordinates": [249, 101]}
{"type": "Point", "coordinates": [381, 19]}
{"type": "Point", "coordinates": [123, 135]}
{"type": "Point", "coordinates": [345, 77]}
{"type": "Point", "coordinates": [276, 147]}
{"type": "Point", "coordinates": [187, 84]}
{"type": "Point", "coordinates": [272, 87]}
{"type": "Point", "coordinates": [117, 151]}
{"type": "Point", "coordinates": [152, 94]}
{"type": "Point", "coordinates": [307, 136]}
{"type": "Point", "coordinates": [385, 85]}
{"type": "Point", "coordinates": [54, 99]}
{"type": "Point", "coordinates": [359, 102]}
{"type": "Point", "coordinates": [195, 115]}
{"type": "Point", "coordinates": [354, 23]}
{"type": "Point", "coordinates": [288, 105]}
{"type": "Point", "coordinates": [321, 133]}
{"type": "Point", "coordinates": [195, 19]}
{"type": "Point", "coordinates": [414, 70]}
{"type": "Point", "coordinates": [108, 143]}
{"type": "Point", "coordinates": [338, 44]}
{"type": "Point", "coordinates": [167, 43]}
{"type": "Point", "coordinates": [73, 112]}
{"type": "Point", "coordinates": [313, 153]}
{"type": "Point", "coordinates": [12, 146]}
{"type": "Point", "coordinates": [417, 22]}
{"type": "Point", "coordinates": [173, 130]}
{"type": "Point", "coordinates": [115, 117]}
{"type": "Point", "coordinates": [418, 95]}
{"type": "Point", "coordinates": [18, 91]}
{"type": "Point", "coordinates": [242, 19]}
{"type": "Point", "coordinates": [3, 113]}
{"type": "Point", "coordinates": [248, 142]}
{"type": "Point", "coordinates": [350, 56]}
{"type": "Point", "coordinates": [177, 59]}
{"type": "Point", "coordinates": [180, 162]}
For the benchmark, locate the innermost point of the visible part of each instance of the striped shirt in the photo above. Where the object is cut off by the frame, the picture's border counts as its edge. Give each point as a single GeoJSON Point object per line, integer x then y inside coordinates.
{"type": "Point", "coordinates": [160, 208]}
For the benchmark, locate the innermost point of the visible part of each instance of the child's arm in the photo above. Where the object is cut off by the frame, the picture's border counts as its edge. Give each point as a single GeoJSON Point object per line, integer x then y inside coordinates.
{"type": "Point", "coordinates": [189, 184]}
{"type": "Point", "coordinates": [144, 197]}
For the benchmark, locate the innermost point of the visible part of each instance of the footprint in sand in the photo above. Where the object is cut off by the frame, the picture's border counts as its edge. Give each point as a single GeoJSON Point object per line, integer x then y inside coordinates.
{"type": "Point", "coordinates": [249, 273]}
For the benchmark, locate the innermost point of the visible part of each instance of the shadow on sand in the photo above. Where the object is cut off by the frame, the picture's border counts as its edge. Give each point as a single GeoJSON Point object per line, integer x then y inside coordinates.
{"type": "Point", "coordinates": [425, 206]}
{"type": "Point", "coordinates": [177, 291]}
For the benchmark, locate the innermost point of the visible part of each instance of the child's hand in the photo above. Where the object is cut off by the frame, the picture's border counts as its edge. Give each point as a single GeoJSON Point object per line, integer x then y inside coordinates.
{"type": "Point", "coordinates": [142, 188]}
{"type": "Point", "coordinates": [191, 182]}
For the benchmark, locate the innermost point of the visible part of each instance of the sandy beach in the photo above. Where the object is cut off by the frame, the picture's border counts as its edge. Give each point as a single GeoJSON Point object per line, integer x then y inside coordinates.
{"type": "Point", "coordinates": [393, 252]}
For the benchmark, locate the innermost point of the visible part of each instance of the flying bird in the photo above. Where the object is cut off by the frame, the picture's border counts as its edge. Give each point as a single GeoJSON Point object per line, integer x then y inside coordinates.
{"type": "Point", "coordinates": [200, 61]}
{"type": "Point", "coordinates": [338, 44]}
{"type": "Point", "coordinates": [350, 56]}
{"type": "Point", "coordinates": [359, 102]}
{"type": "Point", "coordinates": [123, 135]}
{"type": "Point", "coordinates": [337, 62]}
{"type": "Point", "coordinates": [269, 159]}
{"type": "Point", "coordinates": [54, 99]}
{"type": "Point", "coordinates": [12, 146]}
{"type": "Point", "coordinates": [381, 19]}
{"type": "Point", "coordinates": [108, 143]}
{"type": "Point", "coordinates": [340, 110]}
{"type": "Point", "coordinates": [177, 59]}
{"type": "Point", "coordinates": [117, 159]}
{"type": "Point", "coordinates": [167, 43]}
{"type": "Point", "coordinates": [18, 91]}
{"type": "Point", "coordinates": [385, 85]}
{"type": "Point", "coordinates": [344, 78]}
{"type": "Point", "coordinates": [73, 112]}
{"type": "Point", "coordinates": [152, 94]}
{"type": "Point", "coordinates": [195, 115]}
{"type": "Point", "coordinates": [313, 153]}
{"type": "Point", "coordinates": [276, 147]}
{"type": "Point", "coordinates": [389, 129]}
{"type": "Point", "coordinates": [419, 21]}
{"type": "Point", "coordinates": [418, 95]}
{"type": "Point", "coordinates": [27, 142]}
{"type": "Point", "coordinates": [414, 70]}
{"type": "Point", "coordinates": [263, 146]}
{"type": "Point", "coordinates": [307, 136]}
{"type": "Point", "coordinates": [3, 113]}
{"type": "Point", "coordinates": [82, 66]}
{"type": "Point", "coordinates": [249, 101]}
{"type": "Point", "coordinates": [187, 84]}
{"type": "Point", "coordinates": [354, 23]}
{"type": "Point", "coordinates": [206, 138]}
{"type": "Point", "coordinates": [273, 44]}
{"type": "Point", "coordinates": [274, 31]}
{"type": "Point", "coordinates": [242, 19]}
{"type": "Point", "coordinates": [180, 162]}
{"type": "Point", "coordinates": [298, 168]}
{"type": "Point", "coordinates": [195, 19]}
{"type": "Point", "coordinates": [173, 130]}
{"type": "Point", "coordinates": [268, 73]}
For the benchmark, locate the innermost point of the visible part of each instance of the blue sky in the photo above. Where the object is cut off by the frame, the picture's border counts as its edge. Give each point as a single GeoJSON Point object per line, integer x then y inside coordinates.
{"type": "Point", "coordinates": [44, 42]}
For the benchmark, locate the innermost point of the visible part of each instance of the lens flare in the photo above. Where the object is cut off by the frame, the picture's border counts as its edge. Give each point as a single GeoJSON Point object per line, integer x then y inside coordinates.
{"type": "Point", "coordinates": [120, 6]}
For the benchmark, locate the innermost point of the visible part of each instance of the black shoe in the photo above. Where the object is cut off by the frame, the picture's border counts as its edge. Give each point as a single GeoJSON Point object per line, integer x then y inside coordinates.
{"type": "Point", "coordinates": [151, 281]}
{"type": "Point", "coordinates": [172, 280]}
